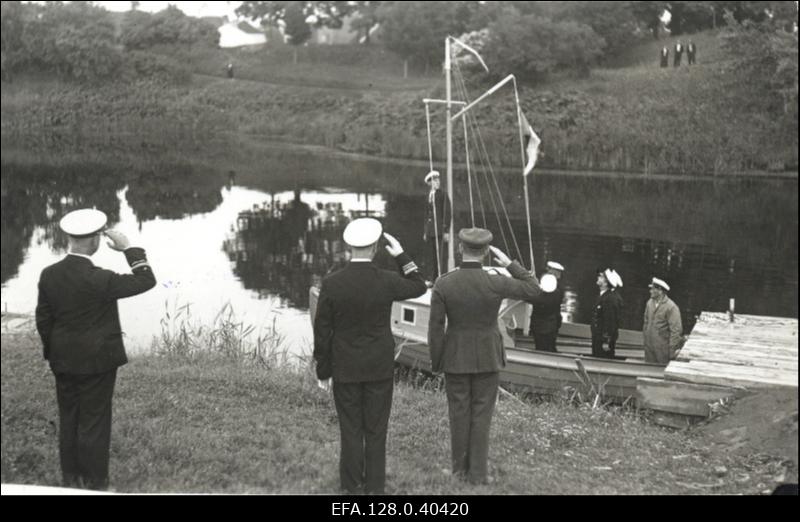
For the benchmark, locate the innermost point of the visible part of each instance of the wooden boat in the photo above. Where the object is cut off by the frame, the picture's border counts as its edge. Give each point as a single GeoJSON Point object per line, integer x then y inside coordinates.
{"type": "Point", "coordinates": [536, 371]}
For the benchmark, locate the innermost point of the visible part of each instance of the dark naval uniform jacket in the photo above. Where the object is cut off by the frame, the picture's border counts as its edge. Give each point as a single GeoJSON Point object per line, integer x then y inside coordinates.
{"type": "Point", "coordinates": [469, 298]}
{"type": "Point", "coordinates": [77, 316]}
{"type": "Point", "coordinates": [546, 314]}
{"type": "Point", "coordinates": [441, 225]}
{"type": "Point", "coordinates": [353, 339]}
{"type": "Point", "coordinates": [606, 315]}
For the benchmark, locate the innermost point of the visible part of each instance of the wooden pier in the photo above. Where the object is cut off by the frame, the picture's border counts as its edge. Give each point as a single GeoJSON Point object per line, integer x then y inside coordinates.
{"type": "Point", "coordinates": [723, 359]}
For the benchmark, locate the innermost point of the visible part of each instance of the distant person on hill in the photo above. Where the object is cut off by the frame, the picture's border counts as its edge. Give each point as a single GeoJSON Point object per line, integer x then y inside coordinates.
{"type": "Point", "coordinates": [664, 56]}
{"type": "Point", "coordinates": [546, 314]}
{"type": "Point", "coordinates": [678, 53]}
{"type": "Point", "coordinates": [606, 314]}
{"type": "Point", "coordinates": [230, 70]}
{"type": "Point", "coordinates": [691, 52]}
{"type": "Point", "coordinates": [663, 330]}
{"type": "Point", "coordinates": [353, 344]}
{"type": "Point", "coordinates": [437, 226]}
{"type": "Point", "coordinates": [78, 322]}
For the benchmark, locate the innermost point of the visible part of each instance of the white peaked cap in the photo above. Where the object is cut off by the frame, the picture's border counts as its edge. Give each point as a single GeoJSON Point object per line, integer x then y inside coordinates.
{"type": "Point", "coordinates": [432, 174]}
{"type": "Point", "coordinates": [555, 266]}
{"type": "Point", "coordinates": [83, 222]}
{"type": "Point", "coordinates": [548, 282]}
{"type": "Point", "coordinates": [362, 232]}
{"type": "Point", "coordinates": [660, 283]}
{"type": "Point", "coordinates": [613, 278]}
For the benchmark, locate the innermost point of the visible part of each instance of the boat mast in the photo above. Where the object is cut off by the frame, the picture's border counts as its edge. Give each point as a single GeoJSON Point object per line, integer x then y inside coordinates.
{"type": "Point", "coordinates": [449, 127]}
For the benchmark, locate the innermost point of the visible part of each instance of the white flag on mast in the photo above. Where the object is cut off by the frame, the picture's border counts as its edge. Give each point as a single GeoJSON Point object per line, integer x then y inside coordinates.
{"type": "Point", "coordinates": [531, 146]}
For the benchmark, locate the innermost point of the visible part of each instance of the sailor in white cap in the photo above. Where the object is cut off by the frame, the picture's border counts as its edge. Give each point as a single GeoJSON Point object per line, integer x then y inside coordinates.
{"type": "Point", "coordinates": [78, 322]}
{"type": "Point", "coordinates": [353, 344]}
{"type": "Point", "coordinates": [606, 314]}
{"type": "Point", "coordinates": [546, 313]}
{"type": "Point", "coordinates": [437, 226]}
{"type": "Point", "coordinates": [663, 328]}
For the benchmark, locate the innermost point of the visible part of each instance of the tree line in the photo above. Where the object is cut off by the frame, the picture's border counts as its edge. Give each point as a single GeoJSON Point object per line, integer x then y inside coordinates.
{"type": "Point", "coordinates": [83, 42]}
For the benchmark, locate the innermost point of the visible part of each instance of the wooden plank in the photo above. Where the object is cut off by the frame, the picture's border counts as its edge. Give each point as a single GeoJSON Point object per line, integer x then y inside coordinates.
{"type": "Point", "coordinates": [679, 397]}
{"type": "Point", "coordinates": [675, 420]}
{"type": "Point", "coordinates": [738, 358]}
{"type": "Point", "coordinates": [729, 375]}
{"type": "Point", "coordinates": [764, 350]}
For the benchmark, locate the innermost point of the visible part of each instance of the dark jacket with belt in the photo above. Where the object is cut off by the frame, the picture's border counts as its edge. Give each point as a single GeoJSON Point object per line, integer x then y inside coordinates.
{"type": "Point", "coordinates": [469, 298]}
{"type": "Point", "coordinates": [353, 339]}
{"type": "Point", "coordinates": [546, 315]}
{"type": "Point", "coordinates": [77, 316]}
{"type": "Point", "coordinates": [606, 315]}
{"type": "Point", "coordinates": [443, 215]}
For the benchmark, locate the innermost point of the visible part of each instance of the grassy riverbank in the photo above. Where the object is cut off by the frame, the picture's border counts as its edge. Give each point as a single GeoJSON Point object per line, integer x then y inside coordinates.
{"type": "Point", "coordinates": [216, 424]}
{"type": "Point", "coordinates": [633, 117]}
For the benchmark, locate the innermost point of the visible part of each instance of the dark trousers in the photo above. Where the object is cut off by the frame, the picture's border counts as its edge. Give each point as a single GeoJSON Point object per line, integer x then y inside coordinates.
{"type": "Point", "coordinates": [430, 249]}
{"type": "Point", "coordinates": [363, 409]}
{"type": "Point", "coordinates": [545, 342]}
{"type": "Point", "coordinates": [597, 347]}
{"type": "Point", "coordinates": [470, 402]}
{"type": "Point", "coordinates": [84, 435]}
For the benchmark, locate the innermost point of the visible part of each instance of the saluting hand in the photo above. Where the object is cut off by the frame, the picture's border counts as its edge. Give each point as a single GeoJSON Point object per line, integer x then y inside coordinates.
{"type": "Point", "coordinates": [117, 240]}
{"type": "Point", "coordinates": [394, 248]}
{"type": "Point", "coordinates": [501, 259]}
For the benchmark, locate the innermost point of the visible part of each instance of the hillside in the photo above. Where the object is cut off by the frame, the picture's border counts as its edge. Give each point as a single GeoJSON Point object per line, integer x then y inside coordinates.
{"type": "Point", "coordinates": [633, 116]}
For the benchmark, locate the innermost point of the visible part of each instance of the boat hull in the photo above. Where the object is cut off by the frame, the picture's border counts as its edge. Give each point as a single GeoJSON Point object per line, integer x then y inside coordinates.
{"type": "Point", "coordinates": [526, 368]}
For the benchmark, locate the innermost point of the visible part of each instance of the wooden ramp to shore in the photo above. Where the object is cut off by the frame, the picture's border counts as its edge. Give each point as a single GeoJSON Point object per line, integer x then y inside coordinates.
{"type": "Point", "coordinates": [723, 359]}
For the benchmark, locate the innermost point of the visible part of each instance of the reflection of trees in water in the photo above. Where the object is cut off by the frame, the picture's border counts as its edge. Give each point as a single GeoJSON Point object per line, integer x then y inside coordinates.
{"type": "Point", "coordinates": [39, 195]}
{"type": "Point", "coordinates": [175, 190]}
{"type": "Point", "coordinates": [281, 248]}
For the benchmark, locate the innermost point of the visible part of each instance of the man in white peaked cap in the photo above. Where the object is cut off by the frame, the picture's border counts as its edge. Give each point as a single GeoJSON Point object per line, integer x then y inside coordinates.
{"type": "Point", "coordinates": [663, 329]}
{"type": "Point", "coordinates": [437, 226]}
{"type": "Point", "coordinates": [606, 314]}
{"type": "Point", "coordinates": [353, 344]}
{"type": "Point", "coordinates": [78, 322]}
{"type": "Point", "coordinates": [546, 314]}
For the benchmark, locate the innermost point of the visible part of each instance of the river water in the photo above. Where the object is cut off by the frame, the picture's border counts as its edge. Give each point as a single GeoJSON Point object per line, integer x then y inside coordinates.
{"type": "Point", "coordinates": [244, 229]}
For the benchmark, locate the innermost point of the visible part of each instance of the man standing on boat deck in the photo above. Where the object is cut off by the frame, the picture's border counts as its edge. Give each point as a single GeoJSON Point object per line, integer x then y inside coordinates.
{"type": "Point", "coordinates": [78, 321]}
{"type": "Point", "coordinates": [606, 314]}
{"type": "Point", "coordinates": [546, 314]}
{"type": "Point", "coordinates": [353, 343]}
{"type": "Point", "coordinates": [437, 226]}
{"type": "Point", "coordinates": [663, 329]}
{"type": "Point", "coordinates": [470, 349]}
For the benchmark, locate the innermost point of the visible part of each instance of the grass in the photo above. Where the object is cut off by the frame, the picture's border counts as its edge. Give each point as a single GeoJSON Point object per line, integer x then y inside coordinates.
{"type": "Point", "coordinates": [215, 423]}
{"type": "Point", "coordinates": [632, 116]}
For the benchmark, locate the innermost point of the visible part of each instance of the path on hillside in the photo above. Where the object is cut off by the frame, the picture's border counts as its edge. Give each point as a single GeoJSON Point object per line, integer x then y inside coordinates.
{"type": "Point", "coordinates": [334, 85]}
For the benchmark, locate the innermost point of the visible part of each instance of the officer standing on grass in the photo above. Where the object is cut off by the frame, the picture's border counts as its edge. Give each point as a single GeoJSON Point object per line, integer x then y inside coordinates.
{"type": "Point", "coordinates": [353, 343]}
{"type": "Point", "coordinates": [469, 350]}
{"type": "Point", "coordinates": [78, 322]}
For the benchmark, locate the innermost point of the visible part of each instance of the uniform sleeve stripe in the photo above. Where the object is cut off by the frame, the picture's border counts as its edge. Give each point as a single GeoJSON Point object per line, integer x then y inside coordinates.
{"type": "Point", "coordinates": [139, 264]}
{"type": "Point", "coordinates": [409, 267]}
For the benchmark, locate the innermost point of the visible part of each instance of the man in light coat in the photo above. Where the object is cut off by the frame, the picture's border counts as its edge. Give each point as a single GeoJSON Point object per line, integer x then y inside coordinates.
{"type": "Point", "coordinates": [663, 330]}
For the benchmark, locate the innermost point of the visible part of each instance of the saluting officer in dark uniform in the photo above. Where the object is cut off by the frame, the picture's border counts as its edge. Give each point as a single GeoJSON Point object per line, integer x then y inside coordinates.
{"type": "Point", "coordinates": [546, 314]}
{"type": "Point", "coordinates": [78, 321]}
{"type": "Point", "coordinates": [353, 343]}
{"type": "Point", "coordinates": [470, 350]}
{"type": "Point", "coordinates": [437, 225]}
{"type": "Point", "coordinates": [606, 314]}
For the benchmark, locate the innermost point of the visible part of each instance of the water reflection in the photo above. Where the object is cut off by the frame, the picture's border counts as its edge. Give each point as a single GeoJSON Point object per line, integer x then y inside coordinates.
{"type": "Point", "coordinates": [279, 247]}
{"type": "Point", "coordinates": [254, 226]}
